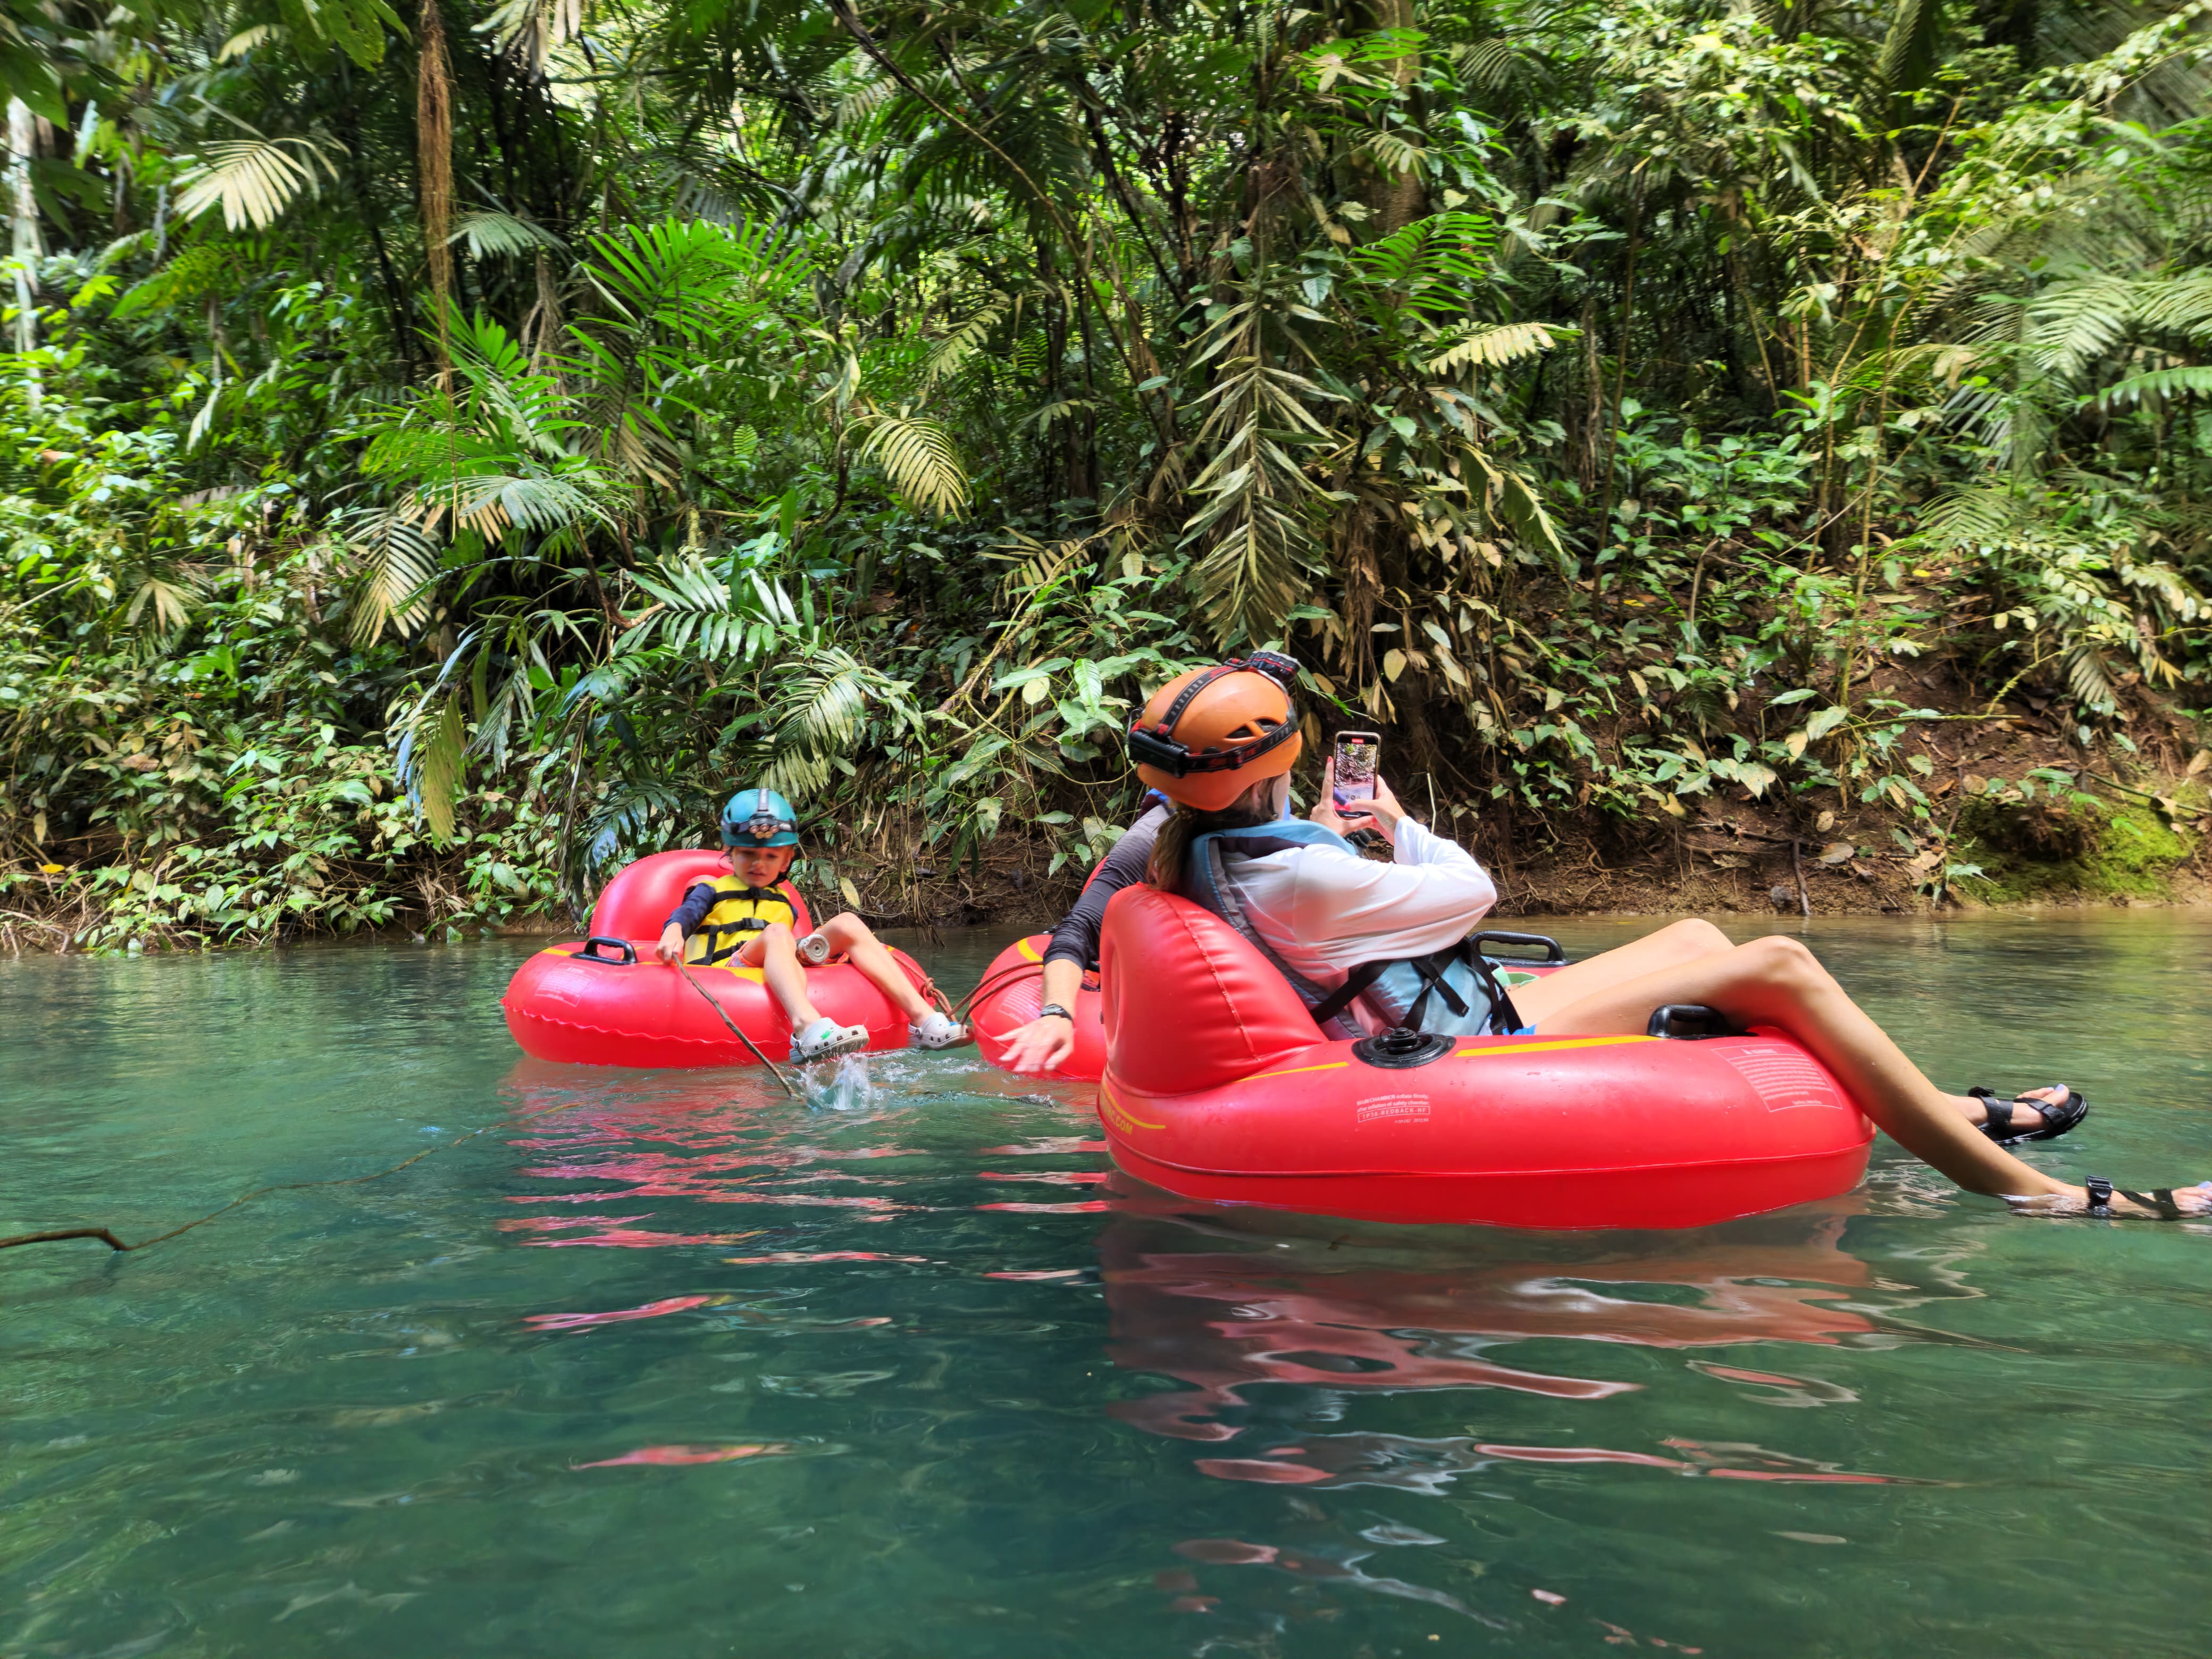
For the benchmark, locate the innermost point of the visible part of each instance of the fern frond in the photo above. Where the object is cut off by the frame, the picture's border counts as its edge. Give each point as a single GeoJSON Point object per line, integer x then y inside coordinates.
{"type": "Point", "coordinates": [1978, 514]}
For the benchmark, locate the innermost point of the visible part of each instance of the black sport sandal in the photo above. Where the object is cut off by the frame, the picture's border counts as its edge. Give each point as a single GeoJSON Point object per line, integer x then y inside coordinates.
{"type": "Point", "coordinates": [2058, 1116]}
{"type": "Point", "coordinates": [2159, 1198]}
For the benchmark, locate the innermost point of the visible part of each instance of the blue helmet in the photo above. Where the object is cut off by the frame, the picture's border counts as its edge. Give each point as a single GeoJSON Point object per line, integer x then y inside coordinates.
{"type": "Point", "coordinates": [759, 818]}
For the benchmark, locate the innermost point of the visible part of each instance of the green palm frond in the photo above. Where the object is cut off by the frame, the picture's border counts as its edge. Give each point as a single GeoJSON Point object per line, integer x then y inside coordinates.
{"type": "Point", "coordinates": [1251, 522]}
{"type": "Point", "coordinates": [1038, 565]}
{"type": "Point", "coordinates": [398, 564]}
{"type": "Point", "coordinates": [487, 502]}
{"type": "Point", "coordinates": [1912, 48]}
{"type": "Point", "coordinates": [917, 455]}
{"type": "Point", "coordinates": [1489, 62]}
{"type": "Point", "coordinates": [435, 780]}
{"type": "Point", "coordinates": [693, 602]}
{"type": "Point", "coordinates": [2089, 677]}
{"type": "Point", "coordinates": [252, 179]}
{"type": "Point", "coordinates": [1396, 153]}
{"type": "Point", "coordinates": [621, 824]}
{"type": "Point", "coordinates": [169, 604]}
{"type": "Point", "coordinates": [2194, 379]}
{"type": "Point", "coordinates": [1495, 345]}
{"type": "Point", "coordinates": [963, 339]}
{"type": "Point", "coordinates": [491, 233]}
{"type": "Point", "coordinates": [821, 707]}
{"type": "Point", "coordinates": [1442, 251]}
{"type": "Point", "coordinates": [529, 30]}
{"type": "Point", "coordinates": [246, 39]}
{"type": "Point", "coordinates": [2180, 302]}
{"type": "Point", "coordinates": [2075, 322]}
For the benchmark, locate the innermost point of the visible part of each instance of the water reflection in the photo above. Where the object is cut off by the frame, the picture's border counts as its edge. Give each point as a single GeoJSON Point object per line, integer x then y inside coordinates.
{"type": "Point", "coordinates": [726, 1137]}
{"type": "Point", "coordinates": [1272, 1336]}
{"type": "Point", "coordinates": [1012, 1409]}
{"type": "Point", "coordinates": [1290, 1348]}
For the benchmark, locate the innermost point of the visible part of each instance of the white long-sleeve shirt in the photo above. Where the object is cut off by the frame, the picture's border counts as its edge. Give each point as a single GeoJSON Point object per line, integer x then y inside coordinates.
{"type": "Point", "coordinates": [1324, 911]}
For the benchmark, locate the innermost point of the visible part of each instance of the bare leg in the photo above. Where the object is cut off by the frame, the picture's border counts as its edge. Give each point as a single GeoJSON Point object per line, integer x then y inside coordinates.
{"type": "Point", "coordinates": [776, 953]}
{"type": "Point", "coordinates": [849, 937]}
{"type": "Point", "coordinates": [1777, 981]}
{"type": "Point", "coordinates": [1676, 945]}
{"type": "Point", "coordinates": [1672, 946]}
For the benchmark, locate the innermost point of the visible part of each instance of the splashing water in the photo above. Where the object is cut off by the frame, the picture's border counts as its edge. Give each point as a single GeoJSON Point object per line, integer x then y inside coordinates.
{"type": "Point", "coordinates": [847, 1087]}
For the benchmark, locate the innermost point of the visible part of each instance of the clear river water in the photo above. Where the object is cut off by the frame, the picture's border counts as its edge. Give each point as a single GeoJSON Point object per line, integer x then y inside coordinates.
{"type": "Point", "coordinates": [674, 1366]}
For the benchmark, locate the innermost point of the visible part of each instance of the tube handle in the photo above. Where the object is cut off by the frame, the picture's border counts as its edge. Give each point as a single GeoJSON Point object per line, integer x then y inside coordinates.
{"type": "Point", "coordinates": [1550, 947]}
{"type": "Point", "coordinates": [591, 952]}
{"type": "Point", "coordinates": [1663, 1021]}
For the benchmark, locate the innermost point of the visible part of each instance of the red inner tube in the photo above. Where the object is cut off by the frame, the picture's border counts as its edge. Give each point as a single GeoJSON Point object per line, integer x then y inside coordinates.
{"type": "Point", "coordinates": [1217, 1086]}
{"type": "Point", "coordinates": [617, 1007]}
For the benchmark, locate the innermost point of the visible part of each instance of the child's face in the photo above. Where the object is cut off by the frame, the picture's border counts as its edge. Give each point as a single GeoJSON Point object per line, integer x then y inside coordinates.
{"type": "Point", "coordinates": [761, 867]}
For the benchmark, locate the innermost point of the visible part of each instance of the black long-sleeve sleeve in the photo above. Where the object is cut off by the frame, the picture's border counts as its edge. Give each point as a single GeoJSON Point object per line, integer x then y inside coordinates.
{"type": "Point", "coordinates": [697, 900]}
{"type": "Point", "coordinates": [1076, 939]}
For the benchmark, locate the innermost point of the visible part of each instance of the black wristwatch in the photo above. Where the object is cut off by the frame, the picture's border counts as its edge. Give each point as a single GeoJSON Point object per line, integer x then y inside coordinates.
{"type": "Point", "coordinates": [1054, 1008]}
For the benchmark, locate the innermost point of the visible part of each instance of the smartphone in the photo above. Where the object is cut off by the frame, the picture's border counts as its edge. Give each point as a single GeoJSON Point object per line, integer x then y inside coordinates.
{"type": "Point", "coordinates": [1355, 754]}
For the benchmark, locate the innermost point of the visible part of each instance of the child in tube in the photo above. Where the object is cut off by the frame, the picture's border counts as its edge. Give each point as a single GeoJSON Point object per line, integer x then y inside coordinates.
{"type": "Point", "coordinates": [746, 919]}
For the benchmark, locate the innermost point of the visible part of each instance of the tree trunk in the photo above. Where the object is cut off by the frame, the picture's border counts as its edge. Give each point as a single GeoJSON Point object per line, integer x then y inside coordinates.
{"type": "Point", "coordinates": [434, 155]}
{"type": "Point", "coordinates": [23, 249]}
{"type": "Point", "coordinates": [1396, 198]}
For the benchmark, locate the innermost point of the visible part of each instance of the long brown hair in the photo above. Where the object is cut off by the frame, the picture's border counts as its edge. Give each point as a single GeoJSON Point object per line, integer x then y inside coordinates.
{"type": "Point", "coordinates": [1171, 851]}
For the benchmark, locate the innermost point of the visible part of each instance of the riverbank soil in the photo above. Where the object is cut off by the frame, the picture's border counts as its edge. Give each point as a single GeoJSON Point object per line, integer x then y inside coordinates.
{"type": "Point", "coordinates": [2013, 816]}
{"type": "Point", "coordinates": [2011, 827]}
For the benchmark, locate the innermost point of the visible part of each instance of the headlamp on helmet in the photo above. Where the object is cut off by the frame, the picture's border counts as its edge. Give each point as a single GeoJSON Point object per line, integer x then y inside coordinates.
{"type": "Point", "coordinates": [759, 818]}
{"type": "Point", "coordinates": [1203, 729]}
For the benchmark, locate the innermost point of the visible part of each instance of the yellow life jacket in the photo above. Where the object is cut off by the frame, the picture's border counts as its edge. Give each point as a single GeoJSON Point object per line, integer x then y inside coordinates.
{"type": "Point", "coordinates": [740, 912]}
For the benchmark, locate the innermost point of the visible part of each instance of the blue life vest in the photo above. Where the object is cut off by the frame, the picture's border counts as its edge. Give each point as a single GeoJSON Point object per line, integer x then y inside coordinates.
{"type": "Point", "coordinates": [1453, 993]}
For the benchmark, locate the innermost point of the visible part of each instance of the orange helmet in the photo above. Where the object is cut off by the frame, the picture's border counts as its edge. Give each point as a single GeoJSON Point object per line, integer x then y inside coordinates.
{"type": "Point", "coordinates": [1208, 736]}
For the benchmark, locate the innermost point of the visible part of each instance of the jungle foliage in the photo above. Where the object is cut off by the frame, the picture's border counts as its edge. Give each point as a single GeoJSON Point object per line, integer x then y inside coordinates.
{"type": "Point", "coordinates": [446, 445]}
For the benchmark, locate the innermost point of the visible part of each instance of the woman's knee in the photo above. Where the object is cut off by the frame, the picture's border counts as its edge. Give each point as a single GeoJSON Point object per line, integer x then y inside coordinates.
{"type": "Point", "coordinates": [1693, 939]}
{"type": "Point", "coordinates": [844, 930]}
{"type": "Point", "coordinates": [1781, 962]}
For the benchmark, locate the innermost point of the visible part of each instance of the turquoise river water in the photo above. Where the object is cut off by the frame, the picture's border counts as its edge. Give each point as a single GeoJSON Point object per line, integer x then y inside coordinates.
{"type": "Point", "coordinates": [674, 1366]}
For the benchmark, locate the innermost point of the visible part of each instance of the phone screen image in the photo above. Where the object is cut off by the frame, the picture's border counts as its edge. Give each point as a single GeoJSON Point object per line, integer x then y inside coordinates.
{"type": "Point", "coordinates": [1355, 754]}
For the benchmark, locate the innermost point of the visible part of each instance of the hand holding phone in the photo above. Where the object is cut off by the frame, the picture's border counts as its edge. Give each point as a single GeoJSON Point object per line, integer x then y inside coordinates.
{"type": "Point", "coordinates": [1360, 809]}
{"type": "Point", "coordinates": [1357, 753]}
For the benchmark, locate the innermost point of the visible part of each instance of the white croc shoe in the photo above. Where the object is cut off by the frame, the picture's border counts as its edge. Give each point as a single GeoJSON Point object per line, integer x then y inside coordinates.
{"type": "Point", "coordinates": [826, 1037]}
{"type": "Point", "coordinates": [937, 1031]}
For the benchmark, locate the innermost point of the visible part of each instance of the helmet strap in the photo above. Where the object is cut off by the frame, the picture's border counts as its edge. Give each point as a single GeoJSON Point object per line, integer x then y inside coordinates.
{"type": "Point", "coordinates": [1163, 731]}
